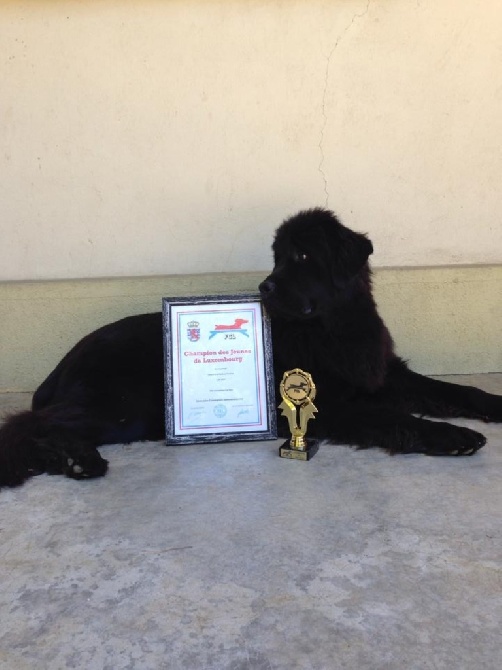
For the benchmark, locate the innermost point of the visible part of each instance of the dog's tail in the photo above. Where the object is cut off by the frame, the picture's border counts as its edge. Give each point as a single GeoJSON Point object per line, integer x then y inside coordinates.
{"type": "Point", "coordinates": [49, 440]}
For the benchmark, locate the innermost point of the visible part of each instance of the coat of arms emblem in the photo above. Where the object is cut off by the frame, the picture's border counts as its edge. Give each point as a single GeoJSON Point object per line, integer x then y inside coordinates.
{"type": "Point", "coordinates": [193, 331]}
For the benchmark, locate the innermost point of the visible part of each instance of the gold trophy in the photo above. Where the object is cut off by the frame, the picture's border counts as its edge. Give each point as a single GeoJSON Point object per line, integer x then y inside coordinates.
{"type": "Point", "coordinates": [298, 390]}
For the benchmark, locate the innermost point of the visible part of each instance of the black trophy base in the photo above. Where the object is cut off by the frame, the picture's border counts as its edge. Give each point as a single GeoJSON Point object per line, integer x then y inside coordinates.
{"type": "Point", "coordinates": [311, 449]}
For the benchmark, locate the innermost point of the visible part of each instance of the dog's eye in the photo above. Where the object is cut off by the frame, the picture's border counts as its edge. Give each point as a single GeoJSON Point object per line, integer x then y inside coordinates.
{"type": "Point", "coordinates": [300, 257]}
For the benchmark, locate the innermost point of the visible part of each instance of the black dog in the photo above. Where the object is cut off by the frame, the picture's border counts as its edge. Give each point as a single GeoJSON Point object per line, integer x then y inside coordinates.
{"type": "Point", "coordinates": [324, 320]}
{"type": "Point", "coordinates": [109, 388]}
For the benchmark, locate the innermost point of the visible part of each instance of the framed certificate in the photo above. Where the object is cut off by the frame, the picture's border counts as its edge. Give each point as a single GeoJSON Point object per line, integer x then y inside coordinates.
{"type": "Point", "coordinates": [218, 370]}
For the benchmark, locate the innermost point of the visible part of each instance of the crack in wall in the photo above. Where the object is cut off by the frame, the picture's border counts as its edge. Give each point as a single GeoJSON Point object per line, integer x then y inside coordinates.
{"type": "Point", "coordinates": [324, 94]}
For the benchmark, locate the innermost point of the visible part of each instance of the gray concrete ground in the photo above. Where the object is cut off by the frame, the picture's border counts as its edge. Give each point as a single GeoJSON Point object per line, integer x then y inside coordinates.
{"type": "Point", "coordinates": [226, 557]}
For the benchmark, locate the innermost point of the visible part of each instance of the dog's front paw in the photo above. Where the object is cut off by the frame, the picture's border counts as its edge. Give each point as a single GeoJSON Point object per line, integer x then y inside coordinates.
{"type": "Point", "coordinates": [444, 439]}
{"type": "Point", "coordinates": [490, 407]}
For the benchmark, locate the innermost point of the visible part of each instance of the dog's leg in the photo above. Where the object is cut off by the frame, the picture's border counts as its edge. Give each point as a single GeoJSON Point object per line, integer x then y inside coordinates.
{"type": "Point", "coordinates": [53, 440]}
{"type": "Point", "coordinates": [70, 455]}
{"type": "Point", "coordinates": [365, 426]}
{"type": "Point", "coordinates": [422, 395]}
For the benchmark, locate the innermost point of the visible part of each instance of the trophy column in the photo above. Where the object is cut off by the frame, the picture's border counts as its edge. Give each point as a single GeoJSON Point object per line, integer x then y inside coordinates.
{"type": "Point", "coordinates": [298, 390]}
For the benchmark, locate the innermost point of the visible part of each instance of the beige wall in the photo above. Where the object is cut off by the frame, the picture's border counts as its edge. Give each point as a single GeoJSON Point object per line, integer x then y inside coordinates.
{"type": "Point", "coordinates": [171, 136]}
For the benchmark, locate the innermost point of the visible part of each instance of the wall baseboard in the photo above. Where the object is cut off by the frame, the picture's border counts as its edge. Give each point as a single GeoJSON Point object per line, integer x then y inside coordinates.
{"type": "Point", "coordinates": [443, 320]}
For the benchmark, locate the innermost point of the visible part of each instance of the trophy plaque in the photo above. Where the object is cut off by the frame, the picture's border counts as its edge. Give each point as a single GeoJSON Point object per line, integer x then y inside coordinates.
{"type": "Point", "coordinates": [298, 390]}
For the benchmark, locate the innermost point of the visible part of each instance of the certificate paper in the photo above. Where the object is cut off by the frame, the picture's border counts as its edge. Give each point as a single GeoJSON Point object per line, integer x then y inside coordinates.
{"type": "Point", "coordinates": [219, 384]}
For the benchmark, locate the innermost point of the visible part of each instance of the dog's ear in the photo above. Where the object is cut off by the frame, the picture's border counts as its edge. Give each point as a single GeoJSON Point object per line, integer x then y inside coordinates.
{"type": "Point", "coordinates": [352, 253]}
{"type": "Point", "coordinates": [349, 250]}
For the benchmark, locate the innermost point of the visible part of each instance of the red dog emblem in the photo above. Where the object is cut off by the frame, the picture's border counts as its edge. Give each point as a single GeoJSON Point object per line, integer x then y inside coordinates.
{"type": "Point", "coordinates": [237, 324]}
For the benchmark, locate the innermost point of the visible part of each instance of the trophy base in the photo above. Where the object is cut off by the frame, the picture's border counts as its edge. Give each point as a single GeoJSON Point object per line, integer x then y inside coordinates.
{"type": "Point", "coordinates": [285, 451]}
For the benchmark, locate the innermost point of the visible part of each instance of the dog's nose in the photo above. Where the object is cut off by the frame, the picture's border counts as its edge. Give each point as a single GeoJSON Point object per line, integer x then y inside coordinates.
{"type": "Point", "coordinates": [267, 287]}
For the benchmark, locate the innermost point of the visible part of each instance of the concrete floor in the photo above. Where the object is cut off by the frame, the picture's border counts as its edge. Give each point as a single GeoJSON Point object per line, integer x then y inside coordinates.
{"type": "Point", "coordinates": [226, 557]}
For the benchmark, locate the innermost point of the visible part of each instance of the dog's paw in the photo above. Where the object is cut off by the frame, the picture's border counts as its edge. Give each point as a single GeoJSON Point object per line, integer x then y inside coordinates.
{"type": "Point", "coordinates": [444, 439]}
{"type": "Point", "coordinates": [473, 403]}
{"type": "Point", "coordinates": [86, 465]}
{"type": "Point", "coordinates": [490, 407]}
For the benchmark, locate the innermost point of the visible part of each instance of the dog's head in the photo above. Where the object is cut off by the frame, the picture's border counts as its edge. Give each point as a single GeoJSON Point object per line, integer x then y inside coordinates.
{"type": "Point", "coordinates": [316, 260]}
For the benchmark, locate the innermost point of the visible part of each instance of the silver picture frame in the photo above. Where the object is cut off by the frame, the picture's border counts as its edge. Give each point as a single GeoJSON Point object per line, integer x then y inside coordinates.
{"type": "Point", "coordinates": [219, 380]}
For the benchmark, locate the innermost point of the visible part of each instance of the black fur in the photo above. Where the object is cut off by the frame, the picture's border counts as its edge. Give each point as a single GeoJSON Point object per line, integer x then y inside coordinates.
{"type": "Point", "coordinates": [109, 387]}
